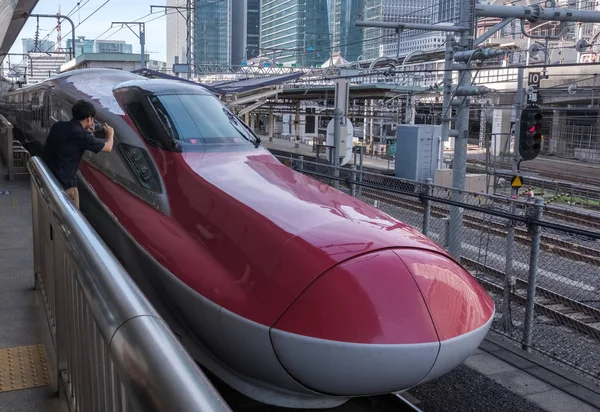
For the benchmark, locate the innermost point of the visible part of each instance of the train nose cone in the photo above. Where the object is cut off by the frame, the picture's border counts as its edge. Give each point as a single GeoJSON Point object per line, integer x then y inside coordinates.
{"type": "Point", "coordinates": [366, 326]}
{"type": "Point", "coordinates": [361, 328]}
{"type": "Point", "coordinates": [461, 309]}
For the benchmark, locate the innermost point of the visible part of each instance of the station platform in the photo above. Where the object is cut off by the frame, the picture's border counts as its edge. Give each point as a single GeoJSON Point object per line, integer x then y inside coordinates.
{"type": "Point", "coordinates": [544, 166]}
{"type": "Point", "coordinates": [498, 377]}
{"type": "Point", "coordinates": [27, 362]}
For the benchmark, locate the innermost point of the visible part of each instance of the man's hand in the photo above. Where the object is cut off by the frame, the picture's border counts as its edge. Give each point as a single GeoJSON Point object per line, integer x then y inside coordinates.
{"type": "Point", "coordinates": [110, 132]}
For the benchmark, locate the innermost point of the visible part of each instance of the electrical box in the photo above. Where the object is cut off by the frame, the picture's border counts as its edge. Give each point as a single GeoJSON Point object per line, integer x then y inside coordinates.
{"type": "Point", "coordinates": [418, 151]}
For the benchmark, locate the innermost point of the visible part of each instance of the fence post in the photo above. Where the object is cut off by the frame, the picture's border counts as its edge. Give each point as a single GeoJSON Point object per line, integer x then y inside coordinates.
{"type": "Point", "coordinates": [352, 180]}
{"type": "Point", "coordinates": [427, 202]}
{"type": "Point", "coordinates": [446, 232]}
{"type": "Point", "coordinates": [300, 163]}
{"type": "Point", "coordinates": [509, 279]}
{"type": "Point", "coordinates": [536, 234]}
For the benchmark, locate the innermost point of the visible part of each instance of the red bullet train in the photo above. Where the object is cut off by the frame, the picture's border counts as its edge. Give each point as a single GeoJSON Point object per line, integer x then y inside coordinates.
{"type": "Point", "coordinates": [292, 292]}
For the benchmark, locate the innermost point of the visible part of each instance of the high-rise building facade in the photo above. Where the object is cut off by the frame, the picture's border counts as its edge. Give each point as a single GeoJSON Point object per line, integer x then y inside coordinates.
{"type": "Point", "coordinates": [385, 42]}
{"type": "Point", "coordinates": [213, 26]}
{"type": "Point", "coordinates": [347, 38]}
{"type": "Point", "coordinates": [295, 31]}
{"type": "Point", "coordinates": [224, 32]}
{"type": "Point", "coordinates": [253, 29]}
{"type": "Point", "coordinates": [43, 45]}
{"type": "Point", "coordinates": [176, 34]}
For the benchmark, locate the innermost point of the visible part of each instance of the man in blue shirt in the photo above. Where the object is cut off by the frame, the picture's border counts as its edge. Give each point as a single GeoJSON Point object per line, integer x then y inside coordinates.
{"type": "Point", "coordinates": [66, 143]}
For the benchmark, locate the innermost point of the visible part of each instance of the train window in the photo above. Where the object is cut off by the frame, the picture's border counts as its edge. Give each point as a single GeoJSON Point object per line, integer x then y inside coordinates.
{"type": "Point", "coordinates": [197, 118]}
{"type": "Point", "coordinates": [149, 130]}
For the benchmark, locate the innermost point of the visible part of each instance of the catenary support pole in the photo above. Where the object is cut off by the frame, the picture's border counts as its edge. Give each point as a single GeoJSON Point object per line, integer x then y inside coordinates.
{"type": "Point", "coordinates": [459, 168]}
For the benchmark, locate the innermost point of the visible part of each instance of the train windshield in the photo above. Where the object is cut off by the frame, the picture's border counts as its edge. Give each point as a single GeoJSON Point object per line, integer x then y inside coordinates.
{"type": "Point", "coordinates": [200, 119]}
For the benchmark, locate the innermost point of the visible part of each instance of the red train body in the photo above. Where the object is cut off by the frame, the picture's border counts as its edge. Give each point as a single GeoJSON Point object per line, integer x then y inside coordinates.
{"type": "Point", "coordinates": [292, 292]}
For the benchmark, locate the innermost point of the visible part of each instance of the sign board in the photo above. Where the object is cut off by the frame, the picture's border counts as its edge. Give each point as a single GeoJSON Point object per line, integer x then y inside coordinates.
{"type": "Point", "coordinates": [516, 181]}
{"type": "Point", "coordinates": [346, 140]}
{"type": "Point", "coordinates": [180, 68]}
{"type": "Point", "coordinates": [534, 87]}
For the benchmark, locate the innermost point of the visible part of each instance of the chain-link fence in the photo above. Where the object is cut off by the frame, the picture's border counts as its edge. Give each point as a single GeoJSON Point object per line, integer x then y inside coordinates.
{"type": "Point", "coordinates": [540, 268]}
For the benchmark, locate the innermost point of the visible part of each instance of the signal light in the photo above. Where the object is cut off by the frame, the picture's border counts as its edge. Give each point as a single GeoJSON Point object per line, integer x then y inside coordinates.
{"type": "Point", "coordinates": [530, 140]}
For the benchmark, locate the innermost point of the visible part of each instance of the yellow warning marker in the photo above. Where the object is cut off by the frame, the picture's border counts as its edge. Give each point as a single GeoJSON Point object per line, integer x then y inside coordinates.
{"type": "Point", "coordinates": [516, 181]}
{"type": "Point", "coordinates": [23, 367]}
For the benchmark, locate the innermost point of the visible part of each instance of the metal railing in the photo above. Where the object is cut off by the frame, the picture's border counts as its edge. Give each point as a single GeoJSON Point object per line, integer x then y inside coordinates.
{"type": "Point", "coordinates": [114, 351]}
{"type": "Point", "coordinates": [6, 146]}
{"type": "Point", "coordinates": [540, 263]}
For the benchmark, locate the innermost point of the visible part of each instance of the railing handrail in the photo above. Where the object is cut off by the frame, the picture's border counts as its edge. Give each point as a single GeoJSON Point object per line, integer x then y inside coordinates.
{"type": "Point", "coordinates": [125, 318]}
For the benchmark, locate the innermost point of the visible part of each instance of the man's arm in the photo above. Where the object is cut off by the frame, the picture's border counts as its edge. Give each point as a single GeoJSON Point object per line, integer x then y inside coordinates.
{"type": "Point", "coordinates": [110, 133]}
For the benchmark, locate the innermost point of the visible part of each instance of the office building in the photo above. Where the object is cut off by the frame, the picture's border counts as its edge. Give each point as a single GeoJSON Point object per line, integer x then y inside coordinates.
{"type": "Point", "coordinates": [176, 34]}
{"type": "Point", "coordinates": [295, 32]}
{"type": "Point", "coordinates": [212, 37]}
{"type": "Point", "coordinates": [385, 42]}
{"type": "Point", "coordinates": [253, 29]}
{"type": "Point", "coordinates": [118, 61]}
{"type": "Point", "coordinates": [346, 36]}
{"type": "Point", "coordinates": [45, 65]}
{"type": "Point", "coordinates": [82, 45]}
{"type": "Point", "coordinates": [225, 32]}
{"type": "Point", "coordinates": [43, 45]}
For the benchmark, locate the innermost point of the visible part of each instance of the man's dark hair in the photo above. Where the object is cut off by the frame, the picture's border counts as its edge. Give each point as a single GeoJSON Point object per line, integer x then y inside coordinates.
{"type": "Point", "coordinates": [82, 110]}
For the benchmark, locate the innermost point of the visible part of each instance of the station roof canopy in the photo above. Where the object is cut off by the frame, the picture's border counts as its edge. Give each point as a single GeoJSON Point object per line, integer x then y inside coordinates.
{"type": "Point", "coordinates": [248, 85]}
{"type": "Point", "coordinates": [13, 16]}
{"type": "Point", "coordinates": [229, 86]}
{"type": "Point", "coordinates": [357, 91]}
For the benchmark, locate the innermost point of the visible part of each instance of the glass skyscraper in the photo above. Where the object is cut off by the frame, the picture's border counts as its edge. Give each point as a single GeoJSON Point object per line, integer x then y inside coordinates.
{"type": "Point", "coordinates": [347, 37]}
{"type": "Point", "coordinates": [384, 42]}
{"type": "Point", "coordinates": [212, 25]}
{"type": "Point", "coordinates": [253, 30]}
{"type": "Point", "coordinates": [295, 31]}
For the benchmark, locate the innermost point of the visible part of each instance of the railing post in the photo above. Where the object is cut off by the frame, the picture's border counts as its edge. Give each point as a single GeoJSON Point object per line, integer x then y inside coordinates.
{"type": "Point", "coordinates": [509, 279]}
{"type": "Point", "coordinates": [352, 180]}
{"type": "Point", "coordinates": [427, 203]}
{"type": "Point", "coordinates": [536, 234]}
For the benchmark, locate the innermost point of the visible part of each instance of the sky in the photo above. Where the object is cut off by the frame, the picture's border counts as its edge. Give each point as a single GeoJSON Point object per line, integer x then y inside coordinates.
{"type": "Point", "coordinates": [98, 23]}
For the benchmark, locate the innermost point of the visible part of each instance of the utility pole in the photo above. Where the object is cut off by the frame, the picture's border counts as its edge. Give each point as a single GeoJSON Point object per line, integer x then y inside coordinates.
{"type": "Point", "coordinates": [141, 36]}
{"type": "Point", "coordinates": [59, 16]}
{"type": "Point", "coordinates": [189, 37]}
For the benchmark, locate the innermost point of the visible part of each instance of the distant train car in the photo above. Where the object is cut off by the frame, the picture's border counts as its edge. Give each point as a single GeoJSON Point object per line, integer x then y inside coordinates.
{"type": "Point", "coordinates": [292, 292]}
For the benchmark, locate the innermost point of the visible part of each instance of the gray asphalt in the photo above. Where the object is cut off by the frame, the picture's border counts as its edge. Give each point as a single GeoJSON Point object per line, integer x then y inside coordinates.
{"type": "Point", "coordinates": [465, 390]}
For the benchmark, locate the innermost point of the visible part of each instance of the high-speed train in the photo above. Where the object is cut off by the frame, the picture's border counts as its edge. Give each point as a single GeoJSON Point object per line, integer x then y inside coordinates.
{"type": "Point", "coordinates": [287, 289]}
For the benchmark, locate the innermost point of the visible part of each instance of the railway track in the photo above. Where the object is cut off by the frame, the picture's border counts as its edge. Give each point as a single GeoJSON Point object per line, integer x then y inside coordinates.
{"type": "Point", "coordinates": [379, 403]}
{"type": "Point", "coordinates": [551, 244]}
{"type": "Point", "coordinates": [567, 311]}
{"type": "Point", "coordinates": [565, 179]}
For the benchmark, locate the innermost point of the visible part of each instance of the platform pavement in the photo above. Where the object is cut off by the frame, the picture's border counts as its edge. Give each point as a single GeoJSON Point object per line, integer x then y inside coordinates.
{"type": "Point", "coordinates": [23, 322]}
{"type": "Point", "coordinates": [22, 317]}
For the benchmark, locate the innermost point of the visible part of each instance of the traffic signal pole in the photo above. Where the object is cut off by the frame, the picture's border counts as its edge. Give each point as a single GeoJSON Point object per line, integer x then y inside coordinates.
{"type": "Point", "coordinates": [509, 277]}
